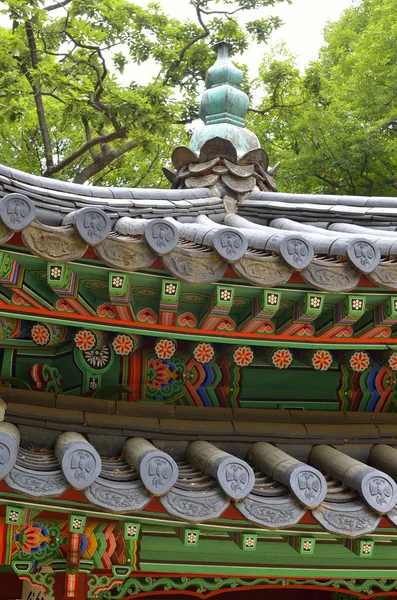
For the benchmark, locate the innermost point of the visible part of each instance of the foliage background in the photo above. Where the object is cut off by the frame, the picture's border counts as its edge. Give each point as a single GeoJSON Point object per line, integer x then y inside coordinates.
{"type": "Point", "coordinates": [67, 109]}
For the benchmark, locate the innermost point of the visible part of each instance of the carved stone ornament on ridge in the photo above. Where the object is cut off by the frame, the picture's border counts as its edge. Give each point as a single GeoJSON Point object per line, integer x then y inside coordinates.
{"type": "Point", "coordinates": [17, 211]}
{"type": "Point", "coordinates": [36, 484]}
{"type": "Point", "coordinates": [125, 253]}
{"type": "Point", "coordinates": [55, 244]}
{"type": "Point", "coordinates": [93, 225]}
{"type": "Point", "coordinates": [161, 236]}
{"type": "Point", "coordinates": [236, 478]}
{"type": "Point", "coordinates": [9, 444]}
{"type": "Point", "coordinates": [351, 519]}
{"type": "Point", "coordinates": [266, 271]}
{"type": "Point", "coordinates": [81, 464]}
{"type": "Point", "coordinates": [158, 472]}
{"type": "Point", "coordinates": [364, 255]}
{"type": "Point", "coordinates": [195, 507]}
{"type": "Point", "coordinates": [379, 491]}
{"type": "Point", "coordinates": [309, 487]}
{"type": "Point", "coordinates": [195, 266]}
{"type": "Point", "coordinates": [117, 496]}
{"type": "Point", "coordinates": [385, 275]}
{"type": "Point", "coordinates": [296, 252]}
{"type": "Point", "coordinates": [331, 277]}
{"type": "Point", "coordinates": [230, 245]}
{"type": "Point", "coordinates": [274, 514]}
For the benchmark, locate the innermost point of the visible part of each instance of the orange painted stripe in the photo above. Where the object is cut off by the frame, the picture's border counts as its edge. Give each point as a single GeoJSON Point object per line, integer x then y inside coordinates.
{"type": "Point", "coordinates": [156, 328]}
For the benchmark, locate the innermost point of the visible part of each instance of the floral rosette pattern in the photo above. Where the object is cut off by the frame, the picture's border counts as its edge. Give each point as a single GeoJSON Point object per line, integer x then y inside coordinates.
{"type": "Point", "coordinates": [282, 358]}
{"type": "Point", "coordinates": [123, 344]}
{"type": "Point", "coordinates": [161, 373]}
{"type": "Point", "coordinates": [359, 361]}
{"type": "Point", "coordinates": [243, 356]}
{"type": "Point", "coordinates": [40, 334]}
{"type": "Point", "coordinates": [322, 360]}
{"type": "Point", "coordinates": [393, 361]}
{"type": "Point", "coordinates": [165, 349]}
{"type": "Point", "coordinates": [85, 340]}
{"type": "Point", "coordinates": [204, 353]}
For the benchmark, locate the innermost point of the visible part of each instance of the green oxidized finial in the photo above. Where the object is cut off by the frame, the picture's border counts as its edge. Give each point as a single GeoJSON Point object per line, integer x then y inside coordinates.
{"type": "Point", "coordinates": [224, 106]}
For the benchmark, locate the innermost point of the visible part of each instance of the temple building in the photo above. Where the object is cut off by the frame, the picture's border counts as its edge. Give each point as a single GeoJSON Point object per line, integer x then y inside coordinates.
{"type": "Point", "coordinates": [198, 384]}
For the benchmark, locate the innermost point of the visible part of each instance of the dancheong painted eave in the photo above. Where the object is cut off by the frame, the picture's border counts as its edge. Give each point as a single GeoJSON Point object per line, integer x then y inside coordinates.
{"type": "Point", "coordinates": [198, 384]}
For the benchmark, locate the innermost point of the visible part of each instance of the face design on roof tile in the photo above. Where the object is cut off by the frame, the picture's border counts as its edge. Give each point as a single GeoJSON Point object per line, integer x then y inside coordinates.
{"type": "Point", "coordinates": [94, 224]}
{"type": "Point", "coordinates": [231, 242]}
{"type": "Point", "coordinates": [236, 476]}
{"type": "Point", "coordinates": [310, 484]}
{"type": "Point", "coordinates": [364, 253]}
{"type": "Point", "coordinates": [160, 470]}
{"type": "Point", "coordinates": [297, 250]}
{"type": "Point", "coordinates": [381, 489]}
{"type": "Point", "coordinates": [163, 234]}
{"type": "Point", "coordinates": [161, 237]}
{"type": "Point", "coordinates": [16, 211]}
{"type": "Point", "coordinates": [4, 454]}
{"type": "Point", "coordinates": [82, 464]}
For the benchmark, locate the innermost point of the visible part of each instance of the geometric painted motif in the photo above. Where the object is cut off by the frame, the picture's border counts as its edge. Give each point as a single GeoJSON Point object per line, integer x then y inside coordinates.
{"type": "Point", "coordinates": [44, 540]}
{"type": "Point", "coordinates": [371, 390]}
{"type": "Point", "coordinates": [183, 380]}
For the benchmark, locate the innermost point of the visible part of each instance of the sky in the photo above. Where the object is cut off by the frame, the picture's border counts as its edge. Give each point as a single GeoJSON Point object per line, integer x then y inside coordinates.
{"type": "Point", "coordinates": [304, 22]}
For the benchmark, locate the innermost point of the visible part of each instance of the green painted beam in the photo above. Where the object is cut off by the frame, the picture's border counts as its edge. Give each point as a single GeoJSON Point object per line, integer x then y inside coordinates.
{"type": "Point", "coordinates": [301, 572]}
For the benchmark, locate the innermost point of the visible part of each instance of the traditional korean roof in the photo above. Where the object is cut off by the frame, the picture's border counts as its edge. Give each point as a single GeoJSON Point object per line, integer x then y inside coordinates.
{"type": "Point", "coordinates": [347, 485]}
{"type": "Point", "coordinates": [224, 209]}
{"type": "Point", "coordinates": [265, 236]}
{"type": "Point", "coordinates": [147, 330]}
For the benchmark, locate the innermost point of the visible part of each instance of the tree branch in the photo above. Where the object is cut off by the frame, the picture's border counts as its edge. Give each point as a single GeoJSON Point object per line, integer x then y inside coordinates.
{"type": "Point", "coordinates": [103, 139]}
{"type": "Point", "coordinates": [88, 136]}
{"type": "Point", "coordinates": [265, 111]}
{"type": "Point", "coordinates": [102, 161]}
{"type": "Point", "coordinates": [57, 5]}
{"type": "Point", "coordinates": [148, 170]}
{"type": "Point", "coordinates": [175, 64]}
{"type": "Point", "coordinates": [38, 97]}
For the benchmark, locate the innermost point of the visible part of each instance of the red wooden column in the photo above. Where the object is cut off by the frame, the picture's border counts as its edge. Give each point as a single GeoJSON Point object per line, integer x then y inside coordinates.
{"type": "Point", "coordinates": [60, 587]}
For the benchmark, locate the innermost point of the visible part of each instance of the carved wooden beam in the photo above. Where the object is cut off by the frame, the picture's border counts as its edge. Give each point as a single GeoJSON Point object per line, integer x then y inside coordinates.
{"type": "Point", "coordinates": [20, 287]}
{"type": "Point", "coordinates": [384, 316]}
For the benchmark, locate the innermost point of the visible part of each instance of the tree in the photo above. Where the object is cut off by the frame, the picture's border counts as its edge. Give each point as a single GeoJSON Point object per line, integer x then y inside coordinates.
{"type": "Point", "coordinates": [334, 127]}
{"type": "Point", "coordinates": [66, 107]}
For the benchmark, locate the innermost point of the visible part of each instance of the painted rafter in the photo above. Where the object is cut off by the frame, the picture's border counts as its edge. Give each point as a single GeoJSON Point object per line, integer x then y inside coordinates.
{"type": "Point", "coordinates": [220, 307]}
{"type": "Point", "coordinates": [304, 312]}
{"type": "Point", "coordinates": [18, 287]}
{"type": "Point", "coordinates": [342, 317]}
{"type": "Point", "coordinates": [265, 307]}
{"type": "Point", "coordinates": [120, 296]}
{"type": "Point", "coordinates": [169, 300]}
{"type": "Point", "coordinates": [72, 296]}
